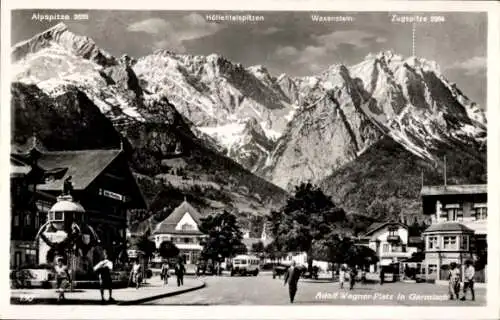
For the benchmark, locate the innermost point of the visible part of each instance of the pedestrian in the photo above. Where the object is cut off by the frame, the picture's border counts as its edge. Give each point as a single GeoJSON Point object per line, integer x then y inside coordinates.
{"type": "Point", "coordinates": [62, 277]}
{"type": "Point", "coordinates": [454, 281]}
{"type": "Point", "coordinates": [164, 272]}
{"type": "Point", "coordinates": [363, 276]}
{"type": "Point", "coordinates": [352, 277]}
{"type": "Point", "coordinates": [292, 277]}
{"type": "Point", "coordinates": [382, 275]}
{"type": "Point", "coordinates": [180, 270]}
{"type": "Point", "coordinates": [342, 276]}
{"type": "Point", "coordinates": [103, 269]}
{"type": "Point", "coordinates": [469, 273]}
{"type": "Point", "coordinates": [136, 274]}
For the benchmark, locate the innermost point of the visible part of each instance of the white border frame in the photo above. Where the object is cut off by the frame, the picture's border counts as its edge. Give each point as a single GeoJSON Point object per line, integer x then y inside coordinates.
{"type": "Point", "coordinates": [491, 311]}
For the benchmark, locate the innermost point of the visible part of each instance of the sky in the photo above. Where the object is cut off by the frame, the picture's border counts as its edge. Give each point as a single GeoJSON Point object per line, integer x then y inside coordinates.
{"type": "Point", "coordinates": [286, 42]}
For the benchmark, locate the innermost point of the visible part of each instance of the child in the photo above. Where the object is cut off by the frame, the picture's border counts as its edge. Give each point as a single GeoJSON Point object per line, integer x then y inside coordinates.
{"type": "Point", "coordinates": [164, 272]}
{"type": "Point", "coordinates": [62, 277]}
{"type": "Point", "coordinates": [342, 276]}
{"type": "Point", "coordinates": [136, 274]}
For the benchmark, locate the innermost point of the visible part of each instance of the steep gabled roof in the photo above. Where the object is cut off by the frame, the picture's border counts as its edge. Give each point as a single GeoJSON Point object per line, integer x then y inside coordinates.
{"type": "Point", "coordinates": [83, 166]}
{"type": "Point", "coordinates": [168, 225]}
{"type": "Point", "coordinates": [379, 225]}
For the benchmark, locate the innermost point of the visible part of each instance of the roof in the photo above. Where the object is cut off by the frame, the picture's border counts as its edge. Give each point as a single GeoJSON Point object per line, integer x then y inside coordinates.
{"type": "Point", "coordinates": [83, 166]}
{"type": "Point", "coordinates": [168, 225]}
{"type": "Point", "coordinates": [17, 170]}
{"type": "Point", "coordinates": [454, 189]}
{"type": "Point", "coordinates": [448, 227]}
{"type": "Point", "coordinates": [379, 225]}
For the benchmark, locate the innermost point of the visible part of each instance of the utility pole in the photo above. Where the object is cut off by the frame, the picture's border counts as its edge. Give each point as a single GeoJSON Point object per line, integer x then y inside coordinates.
{"type": "Point", "coordinates": [445, 172]}
{"type": "Point", "coordinates": [413, 40]}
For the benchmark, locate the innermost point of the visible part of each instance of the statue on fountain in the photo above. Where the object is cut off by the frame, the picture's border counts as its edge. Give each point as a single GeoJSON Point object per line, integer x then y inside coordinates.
{"type": "Point", "coordinates": [68, 187]}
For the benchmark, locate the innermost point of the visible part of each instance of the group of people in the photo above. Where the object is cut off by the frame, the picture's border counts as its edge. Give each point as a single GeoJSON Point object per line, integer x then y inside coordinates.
{"type": "Point", "coordinates": [347, 274]}
{"type": "Point", "coordinates": [104, 269]}
{"type": "Point", "coordinates": [179, 271]}
{"type": "Point", "coordinates": [454, 278]}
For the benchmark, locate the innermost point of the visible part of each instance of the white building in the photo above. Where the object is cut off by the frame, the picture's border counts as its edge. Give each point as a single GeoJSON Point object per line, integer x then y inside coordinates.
{"type": "Point", "coordinates": [459, 216]}
{"type": "Point", "coordinates": [389, 240]}
{"type": "Point", "coordinates": [181, 227]}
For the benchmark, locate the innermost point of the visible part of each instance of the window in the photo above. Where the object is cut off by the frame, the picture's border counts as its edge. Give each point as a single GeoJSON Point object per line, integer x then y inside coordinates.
{"type": "Point", "coordinates": [453, 212]}
{"type": "Point", "coordinates": [481, 213]}
{"type": "Point", "coordinates": [432, 243]}
{"type": "Point", "coordinates": [432, 268]}
{"type": "Point", "coordinates": [58, 216]}
{"type": "Point", "coordinates": [187, 240]}
{"type": "Point", "coordinates": [385, 247]}
{"type": "Point", "coordinates": [464, 243]}
{"type": "Point", "coordinates": [450, 242]}
{"type": "Point", "coordinates": [27, 220]}
{"type": "Point", "coordinates": [393, 231]}
{"type": "Point", "coordinates": [16, 220]}
{"type": "Point", "coordinates": [187, 226]}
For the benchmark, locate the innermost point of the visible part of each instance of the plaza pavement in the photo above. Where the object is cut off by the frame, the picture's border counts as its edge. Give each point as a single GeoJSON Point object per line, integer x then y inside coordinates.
{"type": "Point", "coordinates": [153, 289]}
{"type": "Point", "coordinates": [264, 290]}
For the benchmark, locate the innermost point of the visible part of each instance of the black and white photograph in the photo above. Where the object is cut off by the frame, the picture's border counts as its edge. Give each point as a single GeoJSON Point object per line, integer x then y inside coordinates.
{"type": "Point", "coordinates": [248, 158]}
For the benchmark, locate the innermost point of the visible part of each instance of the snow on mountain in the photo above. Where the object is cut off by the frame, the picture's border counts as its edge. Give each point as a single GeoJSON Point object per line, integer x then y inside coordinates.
{"type": "Point", "coordinates": [58, 59]}
{"type": "Point", "coordinates": [408, 99]}
{"type": "Point", "coordinates": [59, 34]}
{"type": "Point", "coordinates": [287, 129]}
{"type": "Point", "coordinates": [219, 97]}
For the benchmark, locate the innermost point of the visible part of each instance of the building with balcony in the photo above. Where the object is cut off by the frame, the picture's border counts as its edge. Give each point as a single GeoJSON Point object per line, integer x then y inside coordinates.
{"type": "Point", "coordinates": [458, 229]}
{"type": "Point", "coordinates": [389, 240]}
{"type": "Point", "coordinates": [181, 227]}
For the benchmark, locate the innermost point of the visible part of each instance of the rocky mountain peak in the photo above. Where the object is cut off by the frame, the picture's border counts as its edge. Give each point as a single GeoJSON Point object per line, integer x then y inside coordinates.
{"type": "Point", "coordinates": [60, 36]}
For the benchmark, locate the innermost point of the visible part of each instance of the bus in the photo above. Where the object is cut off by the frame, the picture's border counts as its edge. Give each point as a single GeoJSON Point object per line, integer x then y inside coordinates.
{"type": "Point", "coordinates": [245, 264]}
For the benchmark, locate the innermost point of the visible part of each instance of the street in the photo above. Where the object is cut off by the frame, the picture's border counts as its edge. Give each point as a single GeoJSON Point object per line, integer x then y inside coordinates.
{"type": "Point", "coordinates": [264, 290]}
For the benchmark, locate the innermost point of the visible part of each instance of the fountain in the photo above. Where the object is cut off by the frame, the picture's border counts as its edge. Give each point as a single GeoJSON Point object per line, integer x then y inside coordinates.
{"type": "Point", "coordinates": [67, 233]}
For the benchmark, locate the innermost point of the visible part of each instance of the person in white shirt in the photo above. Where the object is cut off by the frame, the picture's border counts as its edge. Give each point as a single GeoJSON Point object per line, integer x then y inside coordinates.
{"type": "Point", "coordinates": [469, 273]}
{"type": "Point", "coordinates": [104, 268]}
{"type": "Point", "coordinates": [454, 281]}
{"type": "Point", "coordinates": [342, 276]}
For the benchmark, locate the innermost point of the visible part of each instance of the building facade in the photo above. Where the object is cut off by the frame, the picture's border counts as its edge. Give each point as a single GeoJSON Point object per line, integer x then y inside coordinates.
{"type": "Point", "coordinates": [389, 240]}
{"type": "Point", "coordinates": [101, 182]}
{"type": "Point", "coordinates": [458, 230]}
{"type": "Point", "coordinates": [181, 227]}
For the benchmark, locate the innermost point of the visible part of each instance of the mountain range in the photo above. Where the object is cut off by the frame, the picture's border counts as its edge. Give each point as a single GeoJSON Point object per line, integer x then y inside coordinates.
{"type": "Point", "coordinates": [348, 129]}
